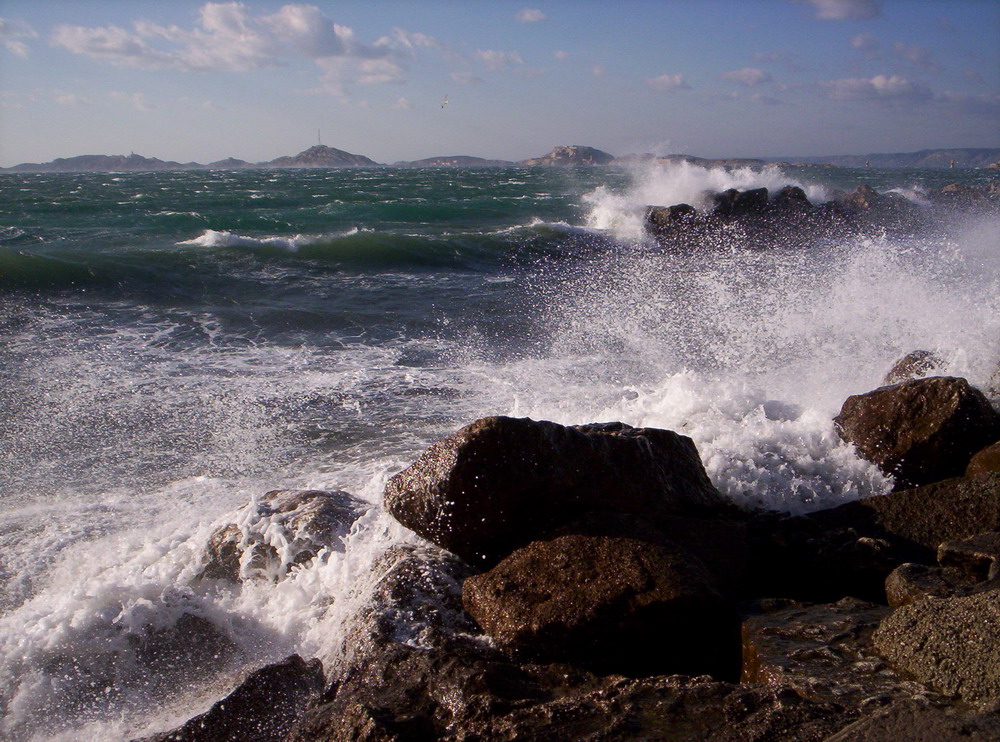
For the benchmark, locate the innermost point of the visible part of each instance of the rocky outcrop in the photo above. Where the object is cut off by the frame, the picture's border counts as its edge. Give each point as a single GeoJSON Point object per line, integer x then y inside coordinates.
{"type": "Point", "coordinates": [321, 156]}
{"type": "Point", "coordinates": [570, 155]}
{"type": "Point", "coordinates": [920, 431]}
{"type": "Point", "coordinates": [502, 482]}
{"type": "Point", "coordinates": [950, 644]}
{"type": "Point", "coordinates": [264, 707]}
{"type": "Point", "coordinates": [612, 604]}
{"type": "Point", "coordinates": [283, 529]}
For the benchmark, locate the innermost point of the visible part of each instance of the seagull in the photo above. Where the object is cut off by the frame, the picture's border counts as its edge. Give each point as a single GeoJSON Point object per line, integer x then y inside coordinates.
{"type": "Point", "coordinates": [444, 102]}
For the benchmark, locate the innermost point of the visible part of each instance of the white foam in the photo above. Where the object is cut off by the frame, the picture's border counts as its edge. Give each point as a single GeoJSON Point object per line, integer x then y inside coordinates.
{"type": "Point", "coordinates": [223, 238]}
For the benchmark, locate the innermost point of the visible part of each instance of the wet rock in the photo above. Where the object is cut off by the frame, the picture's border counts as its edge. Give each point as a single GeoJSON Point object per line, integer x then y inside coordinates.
{"type": "Point", "coordinates": [910, 583]}
{"type": "Point", "coordinates": [790, 198]}
{"type": "Point", "coordinates": [823, 652]}
{"type": "Point", "coordinates": [612, 604]}
{"type": "Point", "coordinates": [415, 693]}
{"type": "Point", "coordinates": [285, 528]}
{"type": "Point", "coordinates": [950, 644]}
{"type": "Point", "coordinates": [183, 649]}
{"type": "Point", "coordinates": [263, 708]}
{"type": "Point", "coordinates": [913, 721]}
{"type": "Point", "coordinates": [732, 202]}
{"type": "Point", "coordinates": [503, 482]}
{"type": "Point", "coordinates": [984, 461]}
{"type": "Point", "coordinates": [977, 556]}
{"type": "Point", "coordinates": [659, 218]}
{"type": "Point", "coordinates": [915, 365]}
{"type": "Point", "coordinates": [919, 431]}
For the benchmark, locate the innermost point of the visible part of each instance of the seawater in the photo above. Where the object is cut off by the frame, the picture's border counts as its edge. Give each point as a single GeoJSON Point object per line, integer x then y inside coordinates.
{"type": "Point", "coordinates": [174, 345]}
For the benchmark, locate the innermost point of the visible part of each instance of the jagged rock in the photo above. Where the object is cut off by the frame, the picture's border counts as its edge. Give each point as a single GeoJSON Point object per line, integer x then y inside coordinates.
{"type": "Point", "coordinates": [614, 604]}
{"type": "Point", "coordinates": [915, 365]}
{"type": "Point", "coordinates": [285, 528]}
{"type": "Point", "coordinates": [919, 431]}
{"type": "Point", "coordinates": [732, 202]}
{"type": "Point", "coordinates": [863, 198]}
{"type": "Point", "coordinates": [914, 721]}
{"type": "Point", "coordinates": [823, 652]}
{"type": "Point", "coordinates": [852, 549]}
{"type": "Point", "coordinates": [985, 461]}
{"type": "Point", "coordinates": [570, 155]}
{"type": "Point", "coordinates": [413, 693]}
{"type": "Point", "coordinates": [263, 708]}
{"type": "Point", "coordinates": [977, 556]}
{"type": "Point", "coordinates": [503, 482]}
{"type": "Point", "coordinates": [791, 198]}
{"type": "Point", "coordinates": [659, 218]}
{"type": "Point", "coordinates": [950, 644]}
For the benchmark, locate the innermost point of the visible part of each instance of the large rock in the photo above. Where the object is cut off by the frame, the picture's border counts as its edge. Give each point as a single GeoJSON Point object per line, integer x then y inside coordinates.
{"type": "Point", "coordinates": [503, 482]}
{"type": "Point", "coordinates": [614, 604]}
{"type": "Point", "coordinates": [985, 461]}
{"type": "Point", "coordinates": [263, 708]}
{"type": "Point", "coordinates": [916, 721]}
{"type": "Point", "coordinates": [920, 431]}
{"type": "Point", "coordinates": [950, 644]}
{"type": "Point", "coordinates": [415, 694]}
{"type": "Point", "coordinates": [285, 528]}
{"type": "Point", "coordinates": [914, 365]}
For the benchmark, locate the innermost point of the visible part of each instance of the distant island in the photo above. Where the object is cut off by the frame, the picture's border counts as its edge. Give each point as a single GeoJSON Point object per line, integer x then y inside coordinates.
{"type": "Point", "coordinates": [322, 156]}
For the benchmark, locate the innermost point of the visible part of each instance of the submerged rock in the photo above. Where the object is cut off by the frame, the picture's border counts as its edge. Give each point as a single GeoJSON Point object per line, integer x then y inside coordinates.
{"type": "Point", "coordinates": [919, 431]}
{"type": "Point", "coordinates": [503, 482]}
{"type": "Point", "coordinates": [262, 708]}
{"type": "Point", "coordinates": [285, 528]}
{"type": "Point", "coordinates": [612, 604]}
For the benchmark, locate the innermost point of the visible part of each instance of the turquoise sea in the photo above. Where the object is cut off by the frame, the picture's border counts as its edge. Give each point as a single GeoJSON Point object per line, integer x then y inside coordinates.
{"type": "Point", "coordinates": [175, 344]}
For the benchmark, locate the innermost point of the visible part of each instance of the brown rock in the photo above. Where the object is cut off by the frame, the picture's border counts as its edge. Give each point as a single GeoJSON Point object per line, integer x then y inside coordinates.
{"type": "Point", "coordinates": [985, 461]}
{"type": "Point", "coordinates": [910, 583]}
{"type": "Point", "coordinates": [502, 482]}
{"type": "Point", "coordinates": [616, 604]}
{"type": "Point", "coordinates": [977, 556]}
{"type": "Point", "coordinates": [913, 721]}
{"type": "Point", "coordinates": [919, 431]}
{"type": "Point", "coordinates": [950, 644]}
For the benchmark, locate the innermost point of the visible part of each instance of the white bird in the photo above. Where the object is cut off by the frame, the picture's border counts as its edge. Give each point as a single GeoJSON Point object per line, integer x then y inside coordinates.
{"type": "Point", "coordinates": [444, 102]}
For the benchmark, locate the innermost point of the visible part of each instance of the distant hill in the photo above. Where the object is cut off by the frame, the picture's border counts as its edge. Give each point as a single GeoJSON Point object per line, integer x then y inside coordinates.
{"type": "Point", "coordinates": [927, 158]}
{"type": "Point", "coordinates": [453, 161]}
{"type": "Point", "coordinates": [321, 156]}
{"type": "Point", "coordinates": [570, 155]}
{"type": "Point", "coordinates": [100, 163]}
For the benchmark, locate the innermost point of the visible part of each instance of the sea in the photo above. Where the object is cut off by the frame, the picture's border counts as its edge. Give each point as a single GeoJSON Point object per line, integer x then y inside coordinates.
{"type": "Point", "coordinates": [173, 345]}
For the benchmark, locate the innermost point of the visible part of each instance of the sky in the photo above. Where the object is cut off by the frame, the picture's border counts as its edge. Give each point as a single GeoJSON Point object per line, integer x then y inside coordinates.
{"type": "Point", "coordinates": [200, 81]}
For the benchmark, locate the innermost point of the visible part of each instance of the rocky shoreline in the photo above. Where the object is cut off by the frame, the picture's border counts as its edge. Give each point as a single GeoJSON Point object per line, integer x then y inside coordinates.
{"type": "Point", "coordinates": [589, 582]}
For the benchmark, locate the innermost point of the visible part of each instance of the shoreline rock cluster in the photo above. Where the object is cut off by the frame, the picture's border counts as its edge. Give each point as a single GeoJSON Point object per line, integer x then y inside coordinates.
{"type": "Point", "coordinates": [786, 217]}
{"type": "Point", "coordinates": [589, 583]}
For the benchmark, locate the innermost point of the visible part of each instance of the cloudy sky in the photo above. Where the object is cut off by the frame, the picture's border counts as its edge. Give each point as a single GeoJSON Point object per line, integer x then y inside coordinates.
{"type": "Point", "coordinates": [185, 80]}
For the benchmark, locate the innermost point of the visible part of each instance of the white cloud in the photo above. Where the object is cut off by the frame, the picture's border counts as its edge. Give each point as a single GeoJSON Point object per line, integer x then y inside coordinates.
{"type": "Point", "coordinates": [598, 70]}
{"type": "Point", "coordinates": [560, 54]}
{"type": "Point", "coordinates": [918, 55]}
{"type": "Point", "coordinates": [137, 100]}
{"type": "Point", "coordinates": [843, 10]}
{"type": "Point", "coordinates": [881, 88]}
{"type": "Point", "coordinates": [466, 78]}
{"type": "Point", "coordinates": [403, 104]}
{"type": "Point", "coordinates": [495, 60]}
{"type": "Point", "coordinates": [229, 37]}
{"type": "Point", "coordinates": [866, 42]}
{"type": "Point", "coordinates": [530, 15]}
{"type": "Point", "coordinates": [11, 33]}
{"type": "Point", "coordinates": [71, 99]}
{"type": "Point", "coordinates": [747, 76]}
{"type": "Point", "coordinates": [977, 105]}
{"type": "Point", "coordinates": [668, 81]}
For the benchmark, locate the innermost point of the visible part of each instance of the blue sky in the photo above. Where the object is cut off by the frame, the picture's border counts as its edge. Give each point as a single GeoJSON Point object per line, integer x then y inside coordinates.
{"type": "Point", "coordinates": [202, 81]}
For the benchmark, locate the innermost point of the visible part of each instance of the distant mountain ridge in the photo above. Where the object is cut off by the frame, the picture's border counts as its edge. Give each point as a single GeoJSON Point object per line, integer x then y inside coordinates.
{"type": "Point", "coordinates": [320, 156]}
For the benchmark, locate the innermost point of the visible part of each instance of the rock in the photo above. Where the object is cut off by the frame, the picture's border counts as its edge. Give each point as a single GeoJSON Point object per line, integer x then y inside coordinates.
{"type": "Point", "coordinates": [915, 365]}
{"type": "Point", "coordinates": [913, 721]}
{"type": "Point", "coordinates": [735, 203]}
{"type": "Point", "coordinates": [263, 708]}
{"type": "Point", "coordinates": [570, 155]}
{"type": "Point", "coordinates": [415, 693]}
{"type": "Point", "coordinates": [864, 198]}
{"type": "Point", "coordinates": [977, 556]}
{"type": "Point", "coordinates": [285, 528]}
{"type": "Point", "coordinates": [910, 583]}
{"type": "Point", "coordinates": [613, 604]}
{"type": "Point", "coordinates": [791, 198]}
{"type": "Point", "coordinates": [182, 650]}
{"type": "Point", "coordinates": [824, 653]}
{"type": "Point", "coordinates": [984, 461]}
{"type": "Point", "coordinates": [502, 482]}
{"type": "Point", "coordinates": [919, 431]}
{"type": "Point", "coordinates": [950, 644]}
{"type": "Point", "coordinates": [659, 218]}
